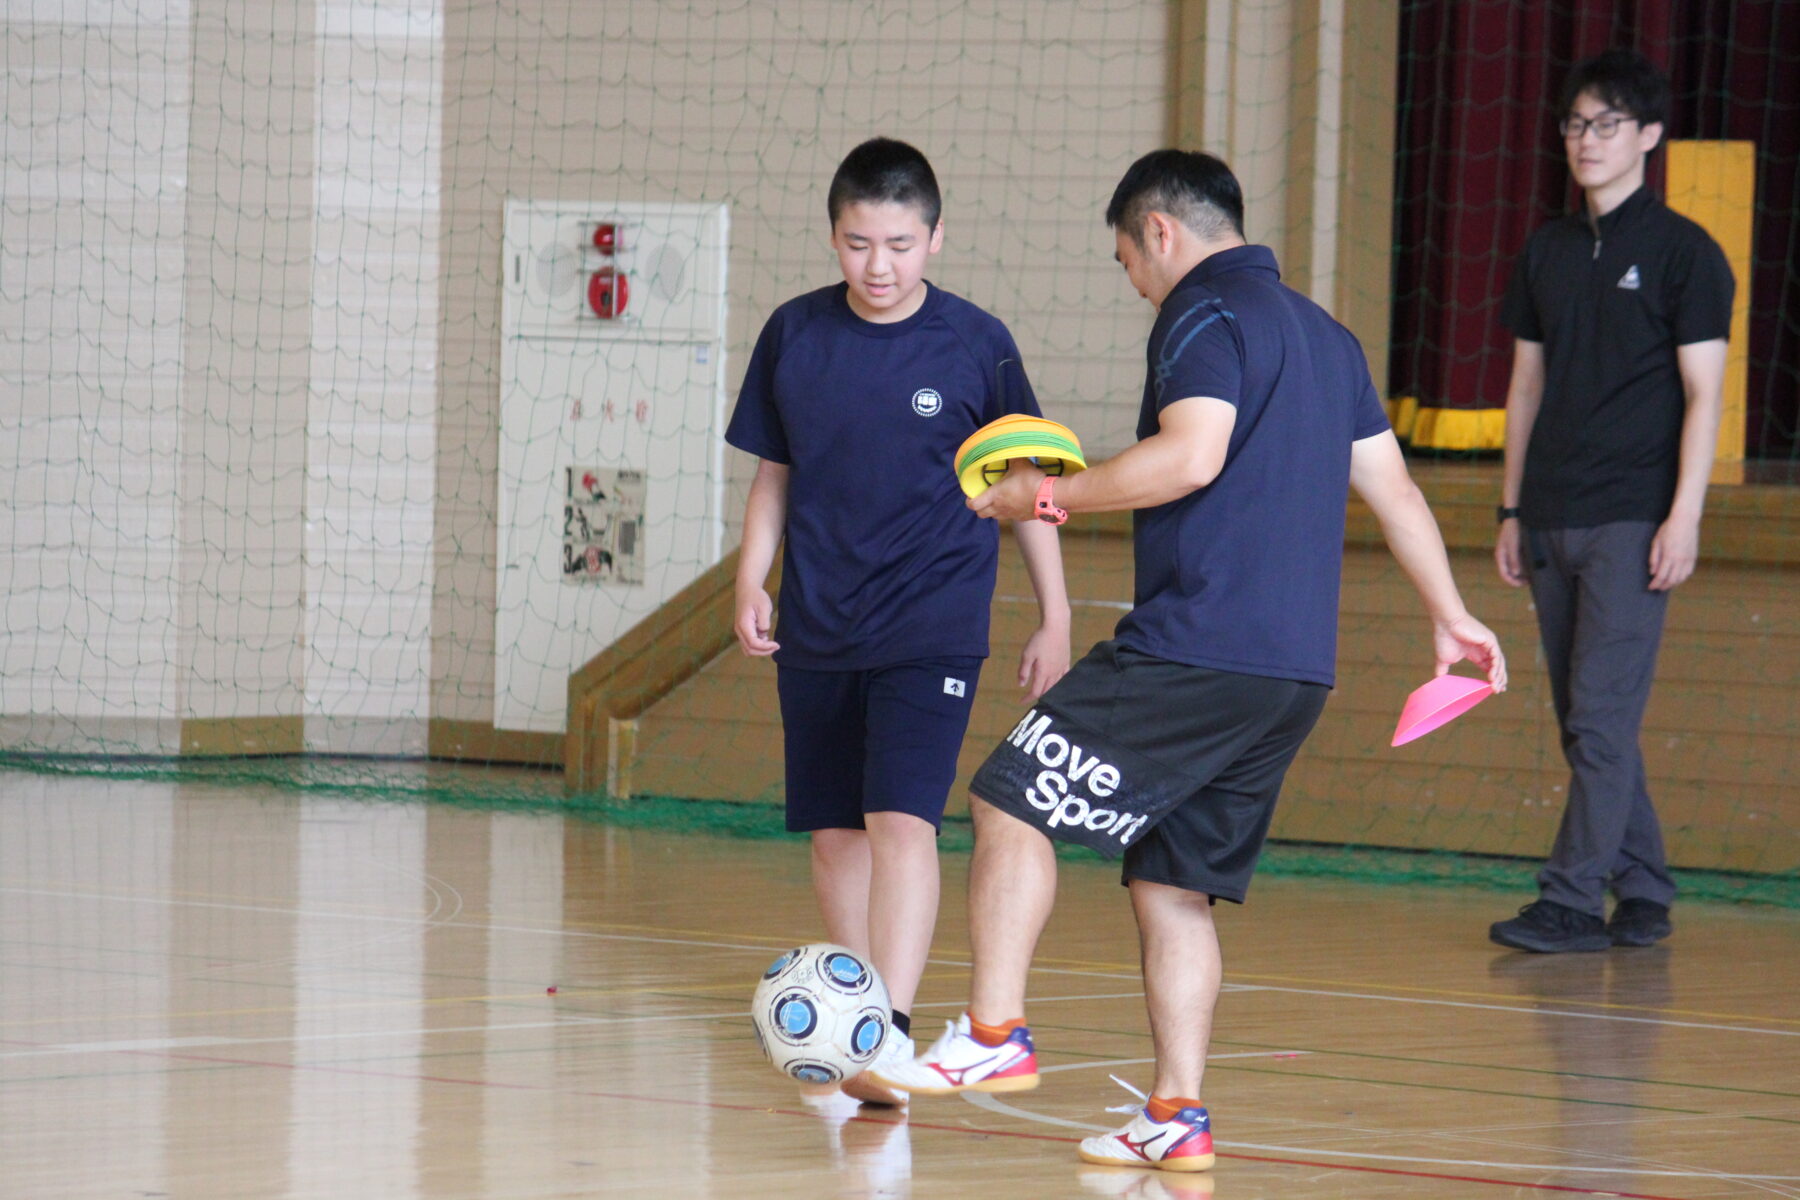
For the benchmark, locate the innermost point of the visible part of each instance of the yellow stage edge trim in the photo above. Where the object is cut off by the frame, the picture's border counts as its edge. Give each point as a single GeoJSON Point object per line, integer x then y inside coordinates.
{"type": "Point", "coordinates": [1711, 183]}
{"type": "Point", "coordinates": [1447, 428]}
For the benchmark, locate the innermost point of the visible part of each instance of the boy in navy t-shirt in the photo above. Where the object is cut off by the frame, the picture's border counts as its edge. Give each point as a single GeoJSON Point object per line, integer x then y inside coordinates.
{"type": "Point", "coordinates": [856, 400]}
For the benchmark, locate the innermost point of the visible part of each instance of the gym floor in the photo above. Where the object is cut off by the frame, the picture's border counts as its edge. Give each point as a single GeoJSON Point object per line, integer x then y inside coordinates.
{"type": "Point", "coordinates": [219, 991]}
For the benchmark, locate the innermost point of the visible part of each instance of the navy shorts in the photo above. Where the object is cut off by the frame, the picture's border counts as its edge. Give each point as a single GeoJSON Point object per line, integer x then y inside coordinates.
{"type": "Point", "coordinates": [1175, 767]}
{"type": "Point", "coordinates": [882, 740]}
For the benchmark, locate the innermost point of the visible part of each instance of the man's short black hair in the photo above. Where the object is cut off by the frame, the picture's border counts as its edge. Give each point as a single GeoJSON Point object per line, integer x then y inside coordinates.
{"type": "Point", "coordinates": [884, 171]}
{"type": "Point", "coordinates": [1623, 80]}
{"type": "Point", "coordinates": [1196, 189]}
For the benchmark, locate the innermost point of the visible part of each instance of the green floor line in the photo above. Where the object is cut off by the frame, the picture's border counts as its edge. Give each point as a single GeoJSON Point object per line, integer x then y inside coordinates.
{"type": "Point", "coordinates": [1463, 1090]}
{"type": "Point", "coordinates": [564, 1045]}
{"type": "Point", "coordinates": [1545, 1072]}
{"type": "Point", "coordinates": [528, 791]}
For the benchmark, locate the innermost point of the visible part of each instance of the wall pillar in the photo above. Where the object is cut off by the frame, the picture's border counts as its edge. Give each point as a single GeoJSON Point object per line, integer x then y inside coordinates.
{"type": "Point", "coordinates": [1298, 97]}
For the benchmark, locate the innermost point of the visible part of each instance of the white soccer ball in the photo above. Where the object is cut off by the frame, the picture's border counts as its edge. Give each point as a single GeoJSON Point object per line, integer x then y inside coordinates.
{"type": "Point", "coordinates": [820, 1013]}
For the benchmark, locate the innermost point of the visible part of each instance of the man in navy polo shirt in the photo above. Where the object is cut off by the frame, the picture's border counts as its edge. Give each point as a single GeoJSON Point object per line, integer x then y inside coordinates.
{"type": "Point", "coordinates": [1619, 314]}
{"type": "Point", "coordinates": [856, 400]}
{"type": "Point", "coordinates": [1168, 743]}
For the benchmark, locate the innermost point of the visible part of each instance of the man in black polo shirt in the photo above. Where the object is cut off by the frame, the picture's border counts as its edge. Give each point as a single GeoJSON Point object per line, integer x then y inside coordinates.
{"type": "Point", "coordinates": [1620, 314]}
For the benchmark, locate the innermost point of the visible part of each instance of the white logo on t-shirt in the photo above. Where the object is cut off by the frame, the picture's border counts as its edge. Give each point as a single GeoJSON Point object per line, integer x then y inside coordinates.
{"type": "Point", "coordinates": [1629, 280]}
{"type": "Point", "coordinates": [927, 403]}
{"type": "Point", "coordinates": [952, 687]}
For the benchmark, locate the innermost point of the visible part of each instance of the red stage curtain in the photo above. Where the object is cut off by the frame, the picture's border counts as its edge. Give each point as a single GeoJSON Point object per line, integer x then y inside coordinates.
{"type": "Point", "coordinates": [1479, 166]}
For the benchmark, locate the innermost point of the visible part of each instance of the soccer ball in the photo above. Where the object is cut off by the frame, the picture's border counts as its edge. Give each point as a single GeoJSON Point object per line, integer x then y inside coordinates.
{"type": "Point", "coordinates": [820, 1013]}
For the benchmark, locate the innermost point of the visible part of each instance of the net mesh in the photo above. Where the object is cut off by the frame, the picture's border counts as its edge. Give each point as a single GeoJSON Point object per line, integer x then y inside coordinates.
{"type": "Point", "coordinates": [256, 465]}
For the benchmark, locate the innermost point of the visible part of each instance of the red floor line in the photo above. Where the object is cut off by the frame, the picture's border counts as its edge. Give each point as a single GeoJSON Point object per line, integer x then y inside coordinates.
{"type": "Point", "coordinates": [791, 1112]}
{"type": "Point", "coordinates": [1540, 1187]}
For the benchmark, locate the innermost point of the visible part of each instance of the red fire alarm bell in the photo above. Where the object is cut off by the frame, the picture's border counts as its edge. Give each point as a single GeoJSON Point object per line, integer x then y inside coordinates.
{"type": "Point", "coordinates": [608, 293]}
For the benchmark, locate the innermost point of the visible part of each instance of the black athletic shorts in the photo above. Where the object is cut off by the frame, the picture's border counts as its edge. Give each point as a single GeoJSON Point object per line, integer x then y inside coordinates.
{"type": "Point", "coordinates": [1175, 767]}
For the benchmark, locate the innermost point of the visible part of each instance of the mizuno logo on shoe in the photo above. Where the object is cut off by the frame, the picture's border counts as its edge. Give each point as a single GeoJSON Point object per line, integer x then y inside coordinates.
{"type": "Point", "coordinates": [955, 1075]}
{"type": "Point", "coordinates": [1138, 1148]}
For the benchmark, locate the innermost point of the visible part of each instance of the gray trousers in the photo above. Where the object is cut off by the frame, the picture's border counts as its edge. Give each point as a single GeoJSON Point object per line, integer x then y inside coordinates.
{"type": "Point", "coordinates": [1601, 626]}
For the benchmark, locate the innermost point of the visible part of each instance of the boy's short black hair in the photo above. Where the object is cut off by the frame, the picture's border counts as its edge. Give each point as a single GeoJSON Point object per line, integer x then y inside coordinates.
{"type": "Point", "coordinates": [1623, 80]}
{"type": "Point", "coordinates": [1196, 189]}
{"type": "Point", "coordinates": [884, 171]}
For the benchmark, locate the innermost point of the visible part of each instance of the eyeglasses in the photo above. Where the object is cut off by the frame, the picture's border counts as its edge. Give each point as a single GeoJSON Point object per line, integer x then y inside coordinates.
{"type": "Point", "coordinates": [1603, 126]}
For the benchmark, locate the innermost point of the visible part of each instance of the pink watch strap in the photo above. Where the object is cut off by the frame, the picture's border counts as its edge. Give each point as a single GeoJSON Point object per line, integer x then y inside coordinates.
{"type": "Point", "coordinates": [1046, 503]}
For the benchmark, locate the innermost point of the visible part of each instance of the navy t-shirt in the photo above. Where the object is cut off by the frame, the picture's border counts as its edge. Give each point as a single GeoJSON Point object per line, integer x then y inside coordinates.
{"type": "Point", "coordinates": [1612, 300]}
{"type": "Point", "coordinates": [1242, 575]}
{"type": "Point", "coordinates": [883, 562]}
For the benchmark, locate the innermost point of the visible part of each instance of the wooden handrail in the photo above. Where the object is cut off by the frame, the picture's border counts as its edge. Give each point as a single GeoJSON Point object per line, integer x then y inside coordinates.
{"type": "Point", "coordinates": [657, 655]}
{"type": "Point", "coordinates": [1743, 524]}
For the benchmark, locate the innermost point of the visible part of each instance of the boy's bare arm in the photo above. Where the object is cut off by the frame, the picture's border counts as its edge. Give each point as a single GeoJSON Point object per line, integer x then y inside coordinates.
{"type": "Point", "coordinates": [1378, 473]}
{"type": "Point", "coordinates": [1046, 655]}
{"type": "Point", "coordinates": [765, 517]}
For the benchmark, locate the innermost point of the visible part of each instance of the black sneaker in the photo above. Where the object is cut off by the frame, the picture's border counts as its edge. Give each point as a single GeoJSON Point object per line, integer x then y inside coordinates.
{"type": "Point", "coordinates": [1551, 928]}
{"type": "Point", "coordinates": [1639, 923]}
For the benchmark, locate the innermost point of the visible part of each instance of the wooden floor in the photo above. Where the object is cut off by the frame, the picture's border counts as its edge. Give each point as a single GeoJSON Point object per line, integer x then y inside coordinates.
{"type": "Point", "coordinates": [208, 992]}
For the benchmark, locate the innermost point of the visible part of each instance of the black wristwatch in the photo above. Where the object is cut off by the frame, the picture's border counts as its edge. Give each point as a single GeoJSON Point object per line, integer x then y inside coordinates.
{"type": "Point", "coordinates": [1504, 513]}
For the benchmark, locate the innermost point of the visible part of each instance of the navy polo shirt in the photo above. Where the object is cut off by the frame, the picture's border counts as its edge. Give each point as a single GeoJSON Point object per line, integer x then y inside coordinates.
{"type": "Point", "coordinates": [1242, 575]}
{"type": "Point", "coordinates": [1611, 299]}
{"type": "Point", "coordinates": [883, 562]}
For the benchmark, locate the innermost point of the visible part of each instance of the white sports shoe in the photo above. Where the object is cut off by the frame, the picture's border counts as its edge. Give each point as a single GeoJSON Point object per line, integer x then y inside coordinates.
{"type": "Point", "coordinates": [957, 1062]}
{"type": "Point", "coordinates": [898, 1048]}
{"type": "Point", "coordinates": [1182, 1143]}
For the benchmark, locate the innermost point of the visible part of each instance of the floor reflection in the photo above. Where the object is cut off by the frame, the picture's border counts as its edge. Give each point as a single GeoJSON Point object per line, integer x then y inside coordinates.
{"type": "Point", "coordinates": [1601, 1054]}
{"type": "Point", "coordinates": [1130, 1183]}
{"type": "Point", "coordinates": [870, 1147]}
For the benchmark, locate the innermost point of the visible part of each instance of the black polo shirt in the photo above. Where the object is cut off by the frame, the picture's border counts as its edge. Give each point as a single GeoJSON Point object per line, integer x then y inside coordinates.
{"type": "Point", "coordinates": [1610, 300]}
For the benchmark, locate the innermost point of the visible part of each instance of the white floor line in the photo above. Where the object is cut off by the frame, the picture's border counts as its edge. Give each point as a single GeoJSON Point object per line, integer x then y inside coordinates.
{"type": "Point", "coordinates": [1112, 605]}
{"type": "Point", "coordinates": [992, 1104]}
{"type": "Point", "coordinates": [296, 1039]}
{"type": "Point", "coordinates": [959, 1005]}
{"type": "Point", "coordinates": [567, 1022]}
{"type": "Point", "coordinates": [1139, 1062]}
{"type": "Point", "coordinates": [753, 948]}
{"type": "Point", "coordinates": [1665, 1022]}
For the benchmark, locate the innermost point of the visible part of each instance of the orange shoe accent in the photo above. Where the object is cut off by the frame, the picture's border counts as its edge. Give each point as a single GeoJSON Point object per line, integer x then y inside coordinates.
{"type": "Point", "coordinates": [994, 1035]}
{"type": "Point", "coordinates": [1162, 1111]}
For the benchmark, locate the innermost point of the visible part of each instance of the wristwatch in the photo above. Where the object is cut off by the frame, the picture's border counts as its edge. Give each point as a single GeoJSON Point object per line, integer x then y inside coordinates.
{"type": "Point", "coordinates": [1047, 511]}
{"type": "Point", "coordinates": [1504, 513]}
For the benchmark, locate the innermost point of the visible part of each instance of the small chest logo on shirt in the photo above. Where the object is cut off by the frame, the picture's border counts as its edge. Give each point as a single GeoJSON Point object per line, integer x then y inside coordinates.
{"type": "Point", "coordinates": [1630, 281]}
{"type": "Point", "coordinates": [927, 403]}
{"type": "Point", "coordinates": [952, 687]}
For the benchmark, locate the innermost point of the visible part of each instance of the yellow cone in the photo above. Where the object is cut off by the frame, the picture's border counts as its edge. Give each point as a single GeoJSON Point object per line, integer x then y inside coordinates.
{"type": "Point", "coordinates": [982, 459]}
